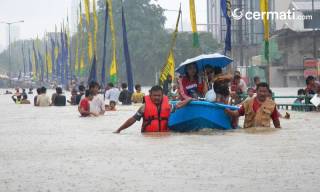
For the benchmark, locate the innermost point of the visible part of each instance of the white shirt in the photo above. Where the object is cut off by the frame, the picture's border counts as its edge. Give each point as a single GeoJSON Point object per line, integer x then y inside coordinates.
{"type": "Point", "coordinates": [97, 104]}
{"type": "Point", "coordinates": [243, 86]}
{"type": "Point", "coordinates": [43, 100]}
{"type": "Point", "coordinates": [112, 94]}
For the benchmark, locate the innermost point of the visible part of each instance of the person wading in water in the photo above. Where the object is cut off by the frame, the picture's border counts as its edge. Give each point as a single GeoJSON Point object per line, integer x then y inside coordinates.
{"type": "Point", "coordinates": [155, 112]}
{"type": "Point", "coordinates": [259, 110]}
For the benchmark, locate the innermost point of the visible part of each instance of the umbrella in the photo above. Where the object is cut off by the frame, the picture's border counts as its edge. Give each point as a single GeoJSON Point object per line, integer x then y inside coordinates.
{"type": "Point", "coordinates": [214, 60]}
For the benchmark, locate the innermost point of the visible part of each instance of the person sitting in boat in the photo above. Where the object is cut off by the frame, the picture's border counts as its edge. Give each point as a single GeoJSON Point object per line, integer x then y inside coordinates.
{"type": "Point", "coordinates": [153, 121]}
{"type": "Point", "coordinates": [259, 110]}
{"type": "Point", "coordinates": [209, 71]}
{"type": "Point", "coordinates": [191, 85]}
{"type": "Point", "coordinates": [221, 85]}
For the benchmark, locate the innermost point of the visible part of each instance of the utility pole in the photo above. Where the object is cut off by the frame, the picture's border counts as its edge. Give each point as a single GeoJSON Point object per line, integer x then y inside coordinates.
{"type": "Point", "coordinates": [9, 29]}
{"type": "Point", "coordinates": [314, 32]}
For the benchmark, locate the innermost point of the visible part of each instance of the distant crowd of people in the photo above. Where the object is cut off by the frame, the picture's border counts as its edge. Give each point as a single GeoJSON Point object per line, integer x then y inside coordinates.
{"type": "Point", "coordinates": [212, 85]}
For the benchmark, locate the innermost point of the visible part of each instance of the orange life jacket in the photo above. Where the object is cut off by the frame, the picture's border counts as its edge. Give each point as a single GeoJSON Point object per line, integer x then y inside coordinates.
{"type": "Point", "coordinates": [156, 119]}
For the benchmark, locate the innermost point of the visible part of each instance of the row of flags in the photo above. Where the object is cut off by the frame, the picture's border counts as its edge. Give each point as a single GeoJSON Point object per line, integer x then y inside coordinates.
{"type": "Point", "coordinates": [53, 59]}
{"type": "Point", "coordinates": [57, 63]}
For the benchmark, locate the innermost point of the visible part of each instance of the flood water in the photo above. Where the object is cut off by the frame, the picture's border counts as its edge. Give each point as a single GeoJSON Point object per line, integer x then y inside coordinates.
{"type": "Point", "coordinates": [53, 149]}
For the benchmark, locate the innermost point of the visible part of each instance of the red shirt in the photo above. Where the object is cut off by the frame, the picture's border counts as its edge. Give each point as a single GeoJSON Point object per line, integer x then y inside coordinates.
{"type": "Point", "coordinates": [189, 88]}
{"type": "Point", "coordinates": [256, 106]}
{"type": "Point", "coordinates": [85, 105]}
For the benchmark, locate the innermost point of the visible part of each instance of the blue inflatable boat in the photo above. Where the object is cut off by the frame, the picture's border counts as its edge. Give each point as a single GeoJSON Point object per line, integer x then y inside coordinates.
{"type": "Point", "coordinates": [199, 115]}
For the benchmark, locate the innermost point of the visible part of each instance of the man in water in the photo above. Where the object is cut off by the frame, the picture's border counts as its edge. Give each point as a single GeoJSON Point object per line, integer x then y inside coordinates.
{"type": "Point", "coordinates": [156, 104]}
{"type": "Point", "coordinates": [35, 98]}
{"type": "Point", "coordinates": [137, 97]}
{"type": "Point", "coordinates": [43, 100]}
{"type": "Point", "coordinates": [259, 110]}
{"type": "Point", "coordinates": [112, 93]}
{"type": "Point", "coordinates": [59, 98]}
{"type": "Point", "coordinates": [25, 99]}
{"type": "Point", "coordinates": [125, 95]}
{"type": "Point", "coordinates": [82, 91]}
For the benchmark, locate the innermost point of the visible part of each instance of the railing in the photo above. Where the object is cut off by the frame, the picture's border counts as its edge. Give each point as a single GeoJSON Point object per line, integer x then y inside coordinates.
{"type": "Point", "coordinates": [306, 106]}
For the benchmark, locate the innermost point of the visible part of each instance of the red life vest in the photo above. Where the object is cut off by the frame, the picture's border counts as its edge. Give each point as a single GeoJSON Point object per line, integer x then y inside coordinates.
{"type": "Point", "coordinates": [154, 119]}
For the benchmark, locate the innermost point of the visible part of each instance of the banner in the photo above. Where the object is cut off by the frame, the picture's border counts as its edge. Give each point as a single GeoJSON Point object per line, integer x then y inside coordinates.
{"type": "Point", "coordinates": [113, 68]}
{"type": "Point", "coordinates": [226, 10]}
{"type": "Point", "coordinates": [194, 23]}
{"type": "Point", "coordinates": [169, 67]}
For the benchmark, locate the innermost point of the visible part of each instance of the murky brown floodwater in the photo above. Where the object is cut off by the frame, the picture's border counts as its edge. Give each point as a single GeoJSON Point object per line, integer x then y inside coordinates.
{"type": "Point", "coordinates": [53, 149]}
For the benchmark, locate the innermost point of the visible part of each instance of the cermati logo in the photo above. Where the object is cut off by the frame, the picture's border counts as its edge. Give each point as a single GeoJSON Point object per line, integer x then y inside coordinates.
{"type": "Point", "coordinates": [238, 14]}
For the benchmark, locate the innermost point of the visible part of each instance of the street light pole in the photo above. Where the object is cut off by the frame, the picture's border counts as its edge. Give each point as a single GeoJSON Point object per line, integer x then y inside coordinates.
{"type": "Point", "coordinates": [313, 32]}
{"type": "Point", "coordinates": [9, 29]}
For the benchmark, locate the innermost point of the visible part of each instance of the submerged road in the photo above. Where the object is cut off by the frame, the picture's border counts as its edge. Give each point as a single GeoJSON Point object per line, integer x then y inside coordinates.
{"type": "Point", "coordinates": [53, 149]}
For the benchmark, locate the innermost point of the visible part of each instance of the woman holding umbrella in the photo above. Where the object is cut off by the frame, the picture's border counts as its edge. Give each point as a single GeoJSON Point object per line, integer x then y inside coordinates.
{"type": "Point", "coordinates": [192, 85]}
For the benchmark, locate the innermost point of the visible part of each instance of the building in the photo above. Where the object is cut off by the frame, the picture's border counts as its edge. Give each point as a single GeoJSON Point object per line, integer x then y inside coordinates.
{"type": "Point", "coordinates": [298, 43]}
{"type": "Point", "coordinates": [247, 35]}
{"type": "Point", "coordinates": [293, 39]}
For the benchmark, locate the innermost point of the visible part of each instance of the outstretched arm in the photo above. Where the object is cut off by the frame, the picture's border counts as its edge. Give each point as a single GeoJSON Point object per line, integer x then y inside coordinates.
{"type": "Point", "coordinates": [233, 114]}
{"type": "Point", "coordinates": [183, 103]}
{"type": "Point", "coordinates": [127, 124]}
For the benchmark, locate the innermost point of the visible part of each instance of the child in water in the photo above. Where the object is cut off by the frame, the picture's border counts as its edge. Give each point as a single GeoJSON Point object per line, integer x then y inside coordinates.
{"type": "Point", "coordinates": [84, 106]}
{"type": "Point", "coordinates": [111, 106]}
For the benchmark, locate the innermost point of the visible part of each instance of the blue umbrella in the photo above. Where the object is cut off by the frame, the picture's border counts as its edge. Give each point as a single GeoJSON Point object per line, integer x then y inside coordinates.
{"type": "Point", "coordinates": [214, 60]}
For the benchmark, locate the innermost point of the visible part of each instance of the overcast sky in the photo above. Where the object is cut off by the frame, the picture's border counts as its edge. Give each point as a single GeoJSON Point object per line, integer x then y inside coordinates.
{"type": "Point", "coordinates": [42, 15]}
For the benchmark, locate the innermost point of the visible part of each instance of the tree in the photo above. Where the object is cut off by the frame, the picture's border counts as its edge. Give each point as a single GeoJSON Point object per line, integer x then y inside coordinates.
{"type": "Point", "coordinates": [148, 40]}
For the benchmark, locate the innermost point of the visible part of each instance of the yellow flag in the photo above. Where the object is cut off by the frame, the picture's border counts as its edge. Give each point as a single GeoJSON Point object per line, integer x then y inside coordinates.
{"type": "Point", "coordinates": [81, 42]}
{"type": "Point", "coordinates": [76, 62]}
{"type": "Point", "coordinates": [34, 72]}
{"type": "Point", "coordinates": [194, 23]}
{"type": "Point", "coordinates": [113, 68]}
{"type": "Point", "coordinates": [95, 26]}
{"type": "Point", "coordinates": [87, 11]}
{"type": "Point", "coordinates": [49, 61]}
{"type": "Point", "coordinates": [169, 66]}
{"type": "Point", "coordinates": [264, 7]}
{"type": "Point", "coordinates": [168, 69]}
